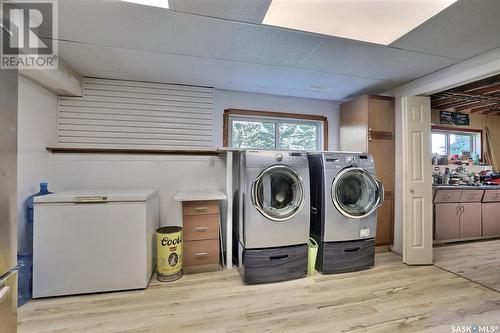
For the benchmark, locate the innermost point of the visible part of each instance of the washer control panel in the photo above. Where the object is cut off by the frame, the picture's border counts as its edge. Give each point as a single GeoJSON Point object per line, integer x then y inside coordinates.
{"type": "Point", "coordinates": [262, 158]}
{"type": "Point", "coordinates": [340, 160]}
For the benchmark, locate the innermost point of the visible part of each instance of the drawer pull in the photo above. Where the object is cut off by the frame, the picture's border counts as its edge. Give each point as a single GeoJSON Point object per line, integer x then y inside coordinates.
{"type": "Point", "coordinates": [201, 254]}
{"type": "Point", "coordinates": [352, 249]}
{"type": "Point", "coordinates": [282, 257]}
{"type": "Point", "coordinates": [201, 229]}
{"type": "Point", "coordinates": [201, 209]}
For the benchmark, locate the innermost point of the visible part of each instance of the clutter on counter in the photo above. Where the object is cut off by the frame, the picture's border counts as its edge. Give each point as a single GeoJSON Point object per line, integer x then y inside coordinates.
{"type": "Point", "coordinates": [464, 175]}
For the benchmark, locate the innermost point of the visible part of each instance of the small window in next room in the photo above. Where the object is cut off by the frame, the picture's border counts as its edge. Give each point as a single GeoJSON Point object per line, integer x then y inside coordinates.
{"type": "Point", "coordinates": [273, 130]}
{"type": "Point", "coordinates": [456, 142]}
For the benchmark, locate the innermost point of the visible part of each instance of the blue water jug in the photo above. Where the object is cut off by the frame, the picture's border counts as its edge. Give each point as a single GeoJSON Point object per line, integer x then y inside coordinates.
{"type": "Point", "coordinates": [25, 255]}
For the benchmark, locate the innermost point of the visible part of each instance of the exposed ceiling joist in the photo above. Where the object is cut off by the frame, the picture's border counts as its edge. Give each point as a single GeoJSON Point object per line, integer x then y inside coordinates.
{"type": "Point", "coordinates": [480, 97]}
{"type": "Point", "coordinates": [471, 105]}
{"type": "Point", "coordinates": [492, 80]}
{"type": "Point", "coordinates": [467, 97]}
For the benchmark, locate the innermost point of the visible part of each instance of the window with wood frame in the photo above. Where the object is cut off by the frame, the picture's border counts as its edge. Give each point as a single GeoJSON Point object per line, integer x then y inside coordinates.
{"type": "Point", "coordinates": [456, 141]}
{"type": "Point", "coordinates": [274, 130]}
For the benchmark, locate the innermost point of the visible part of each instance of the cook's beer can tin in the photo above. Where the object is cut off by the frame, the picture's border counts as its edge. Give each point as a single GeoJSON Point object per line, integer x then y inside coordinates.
{"type": "Point", "coordinates": [169, 248]}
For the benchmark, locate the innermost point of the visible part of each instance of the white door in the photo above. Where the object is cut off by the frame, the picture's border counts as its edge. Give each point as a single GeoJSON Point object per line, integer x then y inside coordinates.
{"type": "Point", "coordinates": [417, 181]}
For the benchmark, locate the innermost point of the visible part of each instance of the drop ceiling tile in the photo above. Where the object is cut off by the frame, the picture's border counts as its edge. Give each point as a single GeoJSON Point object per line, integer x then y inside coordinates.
{"type": "Point", "coordinates": [345, 56]}
{"type": "Point", "coordinates": [215, 38]}
{"type": "Point", "coordinates": [145, 63]}
{"type": "Point", "coordinates": [283, 77]}
{"type": "Point", "coordinates": [465, 29]}
{"type": "Point", "coordinates": [79, 55]}
{"type": "Point", "coordinates": [117, 24]}
{"type": "Point", "coordinates": [271, 90]}
{"type": "Point", "coordinates": [150, 64]}
{"type": "Point", "coordinates": [252, 11]}
{"type": "Point", "coordinates": [353, 85]}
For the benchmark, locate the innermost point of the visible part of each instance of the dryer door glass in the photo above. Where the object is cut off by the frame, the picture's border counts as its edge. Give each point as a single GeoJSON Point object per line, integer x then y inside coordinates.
{"type": "Point", "coordinates": [356, 193]}
{"type": "Point", "coordinates": [278, 193]}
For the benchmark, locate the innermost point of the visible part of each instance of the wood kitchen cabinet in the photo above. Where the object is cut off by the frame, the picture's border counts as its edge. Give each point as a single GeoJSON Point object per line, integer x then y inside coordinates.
{"type": "Point", "coordinates": [491, 219]}
{"type": "Point", "coordinates": [457, 214]}
{"type": "Point", "coordinates": [491, 213]}
{"type": "Point", "coordinates": [447, 221]}
{"type": "Point", "coordinates": [470, 220]}
{"type": "Point", "coordinates": [457, 220]}
{"type": "Point", "coordinates": [367, 125]}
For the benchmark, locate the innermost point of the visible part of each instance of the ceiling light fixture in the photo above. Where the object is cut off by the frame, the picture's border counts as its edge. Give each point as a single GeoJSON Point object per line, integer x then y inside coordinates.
{"type": "Point", "coordinates": [154, 3]}
{"type": "Point", "coordinates": [374, 21]}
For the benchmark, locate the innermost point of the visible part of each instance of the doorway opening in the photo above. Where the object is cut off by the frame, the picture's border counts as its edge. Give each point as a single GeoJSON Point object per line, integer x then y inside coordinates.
{"type": "Point", "coordinates": [466, 180]}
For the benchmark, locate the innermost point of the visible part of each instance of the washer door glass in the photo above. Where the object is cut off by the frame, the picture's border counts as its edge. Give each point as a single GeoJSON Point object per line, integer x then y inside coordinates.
{"type": "Point", "coordinates": [356, 193]}
{"type": "Point", "coordinates": [278, 193]}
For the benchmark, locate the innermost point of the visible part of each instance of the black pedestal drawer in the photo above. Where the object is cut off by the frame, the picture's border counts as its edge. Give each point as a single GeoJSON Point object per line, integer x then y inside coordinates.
{"type": "Point", "coordinates": [343, 257]}
{"type": "Point", "coordinates": [273, 264]}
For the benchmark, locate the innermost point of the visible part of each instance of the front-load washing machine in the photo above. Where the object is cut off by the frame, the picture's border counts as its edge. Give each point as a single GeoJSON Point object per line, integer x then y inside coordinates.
{"type": "Point", "coordinates": [272, 225]}
{"type": "Point", "coordinates": [345, 195]}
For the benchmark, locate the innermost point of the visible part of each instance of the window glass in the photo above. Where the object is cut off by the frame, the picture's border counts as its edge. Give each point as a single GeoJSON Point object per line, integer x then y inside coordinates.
{"type": "Point", "coordinates": [455, 142]}
{"type": "Point", "coordinates": [273, 133]}
{"type": "Point", "coordinates": [460, 143]}
{"type": "Point", "coordinates": [298, 136]}
{"type": "Point", "coordinates": [439, 143]}
{"type": "Point", "coordinates": [253, 134]}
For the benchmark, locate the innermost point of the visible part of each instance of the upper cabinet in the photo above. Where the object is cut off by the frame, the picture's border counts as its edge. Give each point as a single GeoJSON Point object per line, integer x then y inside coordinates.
{"type": "Point", "coordinates": [367, 125]}
{"type": "Point", "coordinates": [354, 125]}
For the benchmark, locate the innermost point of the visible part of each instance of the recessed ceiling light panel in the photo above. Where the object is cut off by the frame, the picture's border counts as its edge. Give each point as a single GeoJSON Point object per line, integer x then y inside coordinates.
{"type": "Point", "coordinates": [374, 21]}
{"type": "Point", "coordinates": [154, 3]}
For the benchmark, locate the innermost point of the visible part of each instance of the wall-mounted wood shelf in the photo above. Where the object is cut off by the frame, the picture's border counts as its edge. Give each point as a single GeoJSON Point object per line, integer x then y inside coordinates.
{"type": "Point", "coordinates": [75, 150]}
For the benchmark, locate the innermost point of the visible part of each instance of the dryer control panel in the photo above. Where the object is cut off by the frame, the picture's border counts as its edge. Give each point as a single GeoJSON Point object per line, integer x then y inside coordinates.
{"type": "Point", "coordinates": [262, 158]}
{"type": "Point", "coordinates": [340, 160]}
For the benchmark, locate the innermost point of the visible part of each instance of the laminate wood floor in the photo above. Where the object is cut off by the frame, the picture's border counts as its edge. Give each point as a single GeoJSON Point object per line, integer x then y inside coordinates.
{"type": "Point", "coordinates": [391, 297]}
{"type": "Point", "coordinates": [477, 261]}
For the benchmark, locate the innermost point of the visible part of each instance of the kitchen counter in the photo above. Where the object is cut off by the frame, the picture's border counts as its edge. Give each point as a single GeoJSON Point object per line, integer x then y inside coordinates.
{"type": "Point", "coordinates": [466, 187]}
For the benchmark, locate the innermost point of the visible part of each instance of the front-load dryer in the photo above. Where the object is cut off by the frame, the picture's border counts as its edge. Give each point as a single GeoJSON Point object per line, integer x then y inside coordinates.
{"type": "Point", "coordinates": [273, 223]}
{"type": "Point", "coordinates": [345, 195]}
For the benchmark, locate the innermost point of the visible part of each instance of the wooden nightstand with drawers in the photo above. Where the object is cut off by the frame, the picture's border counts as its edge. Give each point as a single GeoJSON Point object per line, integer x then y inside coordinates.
{"type": "Point", "coordinates": [201, 230]}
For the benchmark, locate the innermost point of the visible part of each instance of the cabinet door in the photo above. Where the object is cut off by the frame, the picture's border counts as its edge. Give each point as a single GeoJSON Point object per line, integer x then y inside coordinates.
{"type": "Point", "coordinates": [354, 124]}
{"type": "Point", "coordinates": [384, 223]}
{"type": "Point", "coordinates": [491, 219]}
{"type": "Point", "coordinates": [381, 116]}
{"type": "Point", "coordinates": [470, 220]}
{"type": "Point", "coordinates": [383, 154]}
{"type": "Point", "coordinates": [447, 221]}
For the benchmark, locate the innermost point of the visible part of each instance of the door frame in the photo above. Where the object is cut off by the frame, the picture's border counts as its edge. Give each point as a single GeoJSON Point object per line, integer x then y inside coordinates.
{"type": "Point", "coordinates": [473, 69]}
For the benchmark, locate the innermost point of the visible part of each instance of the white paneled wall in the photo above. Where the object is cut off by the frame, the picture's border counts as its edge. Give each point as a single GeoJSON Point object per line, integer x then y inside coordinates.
{"type": "Point", "coordinates": [132, 114]}
{"type": "Point", "coordinates": [36, 131]}
{"type": "Point", "coordinates": [165, 173]}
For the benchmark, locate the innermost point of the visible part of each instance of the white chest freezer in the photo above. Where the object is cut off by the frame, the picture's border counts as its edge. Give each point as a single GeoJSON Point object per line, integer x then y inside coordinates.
{"type": "Point", "coordinates": [94, 241]}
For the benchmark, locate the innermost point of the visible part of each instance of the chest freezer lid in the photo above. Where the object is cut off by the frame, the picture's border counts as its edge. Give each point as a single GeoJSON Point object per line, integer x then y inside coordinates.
{"type": "Point", "coordinates": [89, 196]}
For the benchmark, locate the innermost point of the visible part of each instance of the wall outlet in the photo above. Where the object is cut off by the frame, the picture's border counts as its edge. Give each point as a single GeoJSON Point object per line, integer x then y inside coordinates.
{"type": "Point", "coordinates": [211, 163]}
